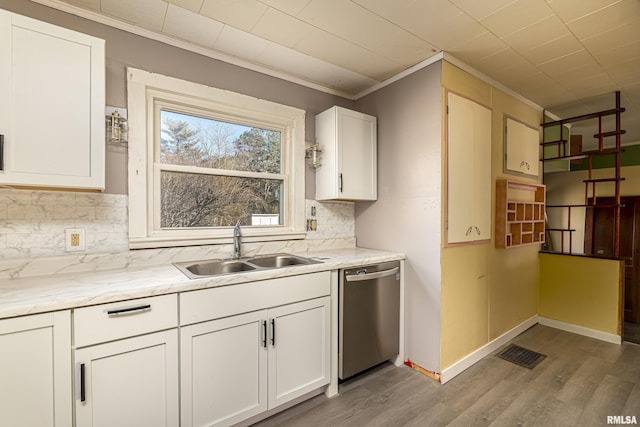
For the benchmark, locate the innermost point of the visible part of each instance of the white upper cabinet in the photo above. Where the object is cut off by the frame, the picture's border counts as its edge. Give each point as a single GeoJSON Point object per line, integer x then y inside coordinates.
{"type": "Point", "coordinates": [348, 168]}
{"type": "Point", "coordinates": [521, 147]}
{"type": "Point", "coordinates": [52, 112]}
{"type": "Point", "coordinates": [469, 170]}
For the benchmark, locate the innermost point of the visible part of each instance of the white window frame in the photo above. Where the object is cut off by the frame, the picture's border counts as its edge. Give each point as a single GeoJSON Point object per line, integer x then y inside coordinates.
{"type": "Point", "coordinates": [146, 91]}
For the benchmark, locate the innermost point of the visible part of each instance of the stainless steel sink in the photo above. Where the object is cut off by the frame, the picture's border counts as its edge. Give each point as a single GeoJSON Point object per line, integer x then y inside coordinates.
{"type": "Point", "coordinates": [280, 260]}
{"type": "Point", "coordinates": [213, 267]}
{"type": "Point", "coordinates": [217, 267]}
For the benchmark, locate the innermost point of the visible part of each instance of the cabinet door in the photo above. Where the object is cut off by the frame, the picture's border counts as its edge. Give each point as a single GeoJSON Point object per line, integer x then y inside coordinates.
{"type": "Point", "coordinates": [469, 170]}
{"type": "Point", "coordinates": [5, 84]}
{"type": "Point", "coordinates": [131, 382]}
{"type": "Point", "coordinates": [348, 169]}
{"type": "Point", "coordinates": [224, 370]}
{"type": "Point", "coordinates": [357, 156]}
{"type": "Point", "coordinates": [35, 371]}
{"type": "Point", "coordinates": [54, 92]}
{"type": "Point", "coordinates": [298, 349]}
{"type": "Point", "coordinates": [482, 174]}
{"type": "Point", "coordinates": [522, 147]}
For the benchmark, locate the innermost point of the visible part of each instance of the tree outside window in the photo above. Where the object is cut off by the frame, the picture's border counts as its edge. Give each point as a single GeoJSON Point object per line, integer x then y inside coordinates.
{"type": "Point", "coordinates": [210, 196]}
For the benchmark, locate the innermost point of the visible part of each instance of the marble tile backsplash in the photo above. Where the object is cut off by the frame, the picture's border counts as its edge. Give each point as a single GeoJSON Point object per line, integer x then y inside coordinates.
{"type": "Point", "coordinates": [335, 219]}
{"type": "Point", "coordinates": [33, 223]}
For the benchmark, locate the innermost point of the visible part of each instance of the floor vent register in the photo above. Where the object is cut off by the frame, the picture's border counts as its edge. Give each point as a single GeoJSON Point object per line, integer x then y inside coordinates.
{"type": "Point", "coordinates": [521, 356]}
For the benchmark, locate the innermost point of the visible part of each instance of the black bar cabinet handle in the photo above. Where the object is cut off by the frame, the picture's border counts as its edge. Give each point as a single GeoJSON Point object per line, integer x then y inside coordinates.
{"type": "Point", "coordinates": [128, 309]}
{"type": "Point", "coordinates": [273, 332]}
{"type": "Point", "coordinates": [340, 182]}
{"type": "Point", "coordinates": [83, 396]}
{"type": "Point", "coordinates": [1, 152]}
{"type": "Point", "coordinates": [264, 333]}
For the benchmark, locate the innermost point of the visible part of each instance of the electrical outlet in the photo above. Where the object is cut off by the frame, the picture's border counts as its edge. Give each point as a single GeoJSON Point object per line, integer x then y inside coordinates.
{"type": "Point", "coordinates": [74, 240]}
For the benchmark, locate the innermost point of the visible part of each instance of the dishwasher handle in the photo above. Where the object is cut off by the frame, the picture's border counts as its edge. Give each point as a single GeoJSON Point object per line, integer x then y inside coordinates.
{"type": "Point", "coordinates": [369, 276]}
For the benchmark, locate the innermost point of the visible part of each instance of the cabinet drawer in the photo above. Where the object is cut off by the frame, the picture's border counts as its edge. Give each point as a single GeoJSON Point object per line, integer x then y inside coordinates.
{"type": "Point", "coordinates": [215, 303]}
{"type": "Point", "coordinates": [123, 319]}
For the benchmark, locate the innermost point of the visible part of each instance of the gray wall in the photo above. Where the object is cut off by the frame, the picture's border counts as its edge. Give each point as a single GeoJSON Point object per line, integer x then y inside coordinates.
{"type": "Point", "coordinates": [124, 49]}
{"type": "Point", "coordinates": [407, 215]}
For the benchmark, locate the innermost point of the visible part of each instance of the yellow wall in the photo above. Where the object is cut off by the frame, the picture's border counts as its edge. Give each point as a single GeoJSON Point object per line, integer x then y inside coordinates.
{"type": "Point", "coordinates": [464, 302]}
{"type": "Point", "coordinates": [513, 293]}
{"type": "Point", "coordinates": [485, 291]}
{"type": "Point", "coordinates": [581, 291]}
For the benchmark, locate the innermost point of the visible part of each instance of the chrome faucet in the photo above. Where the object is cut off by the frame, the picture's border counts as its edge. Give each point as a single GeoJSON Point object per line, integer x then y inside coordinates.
{"type": "Point", "coordinates": [237, 244]}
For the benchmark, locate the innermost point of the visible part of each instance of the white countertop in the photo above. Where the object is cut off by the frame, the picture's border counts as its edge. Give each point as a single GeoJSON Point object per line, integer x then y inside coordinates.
{"type": "Point", "coordinates": [42, 294]}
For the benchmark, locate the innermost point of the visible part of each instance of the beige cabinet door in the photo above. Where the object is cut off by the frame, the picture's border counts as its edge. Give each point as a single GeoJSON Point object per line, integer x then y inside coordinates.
{"type": "Point", "coordinates": [522, 148]}
{"type": "Point", "coordinates": [468, 170]}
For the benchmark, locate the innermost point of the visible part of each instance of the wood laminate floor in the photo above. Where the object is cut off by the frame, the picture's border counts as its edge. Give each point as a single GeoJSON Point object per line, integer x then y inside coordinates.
{"type": "Point", "coordinates": [580, 383]}
{"type": "Point", "coordinates": [631, 332]}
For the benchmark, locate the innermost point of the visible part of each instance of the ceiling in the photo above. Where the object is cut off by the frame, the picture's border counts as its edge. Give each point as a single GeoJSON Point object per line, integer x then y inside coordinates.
{"type": "Point", "coordinates": [568, 56]}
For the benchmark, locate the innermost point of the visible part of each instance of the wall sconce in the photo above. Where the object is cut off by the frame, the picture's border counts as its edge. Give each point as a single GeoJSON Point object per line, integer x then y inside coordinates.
{"type": "Point", "coordinates": [312, 154]}
{"type": "Point", "coordinates": [116, 125]}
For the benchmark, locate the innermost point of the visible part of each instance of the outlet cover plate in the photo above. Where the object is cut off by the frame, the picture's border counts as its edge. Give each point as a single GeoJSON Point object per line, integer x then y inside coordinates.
{"type": "Point", "coordinates": [74, 240]}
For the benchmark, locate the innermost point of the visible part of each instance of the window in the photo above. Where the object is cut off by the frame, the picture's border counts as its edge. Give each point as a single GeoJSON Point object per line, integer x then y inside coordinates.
{"type": "Point", "coordinates": [233, 172]}
{"type": "Point", "coordinates": [202, 159]}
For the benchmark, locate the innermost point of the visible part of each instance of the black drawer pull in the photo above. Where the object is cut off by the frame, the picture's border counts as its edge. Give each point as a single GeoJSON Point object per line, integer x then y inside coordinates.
{"type": "Point", "coordinates": [1, 152]}
{"type": "Point", "coordinates": [83, 396]}
{"type": "Point", "coordinates": [264, 333]}
{"type": "Point", "coordinates": [273, 332]}
{"type": "Point", "coordinates": [129, 310]}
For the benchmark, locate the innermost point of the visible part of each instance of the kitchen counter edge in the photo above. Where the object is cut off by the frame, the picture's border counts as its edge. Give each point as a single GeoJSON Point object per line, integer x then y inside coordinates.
{"type": "Point", "coordinates": [42, 294]}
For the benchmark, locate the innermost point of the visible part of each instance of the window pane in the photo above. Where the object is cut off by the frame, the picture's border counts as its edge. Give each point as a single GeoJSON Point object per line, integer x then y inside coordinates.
{"type": "Point", "coordinates": [197, 141]}
{"type": "Point", "coordinates": [193, 200]}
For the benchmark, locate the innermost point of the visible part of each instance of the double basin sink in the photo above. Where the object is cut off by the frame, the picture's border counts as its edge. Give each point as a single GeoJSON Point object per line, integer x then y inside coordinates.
{"type": "Point", "coordinates": [217, 267]}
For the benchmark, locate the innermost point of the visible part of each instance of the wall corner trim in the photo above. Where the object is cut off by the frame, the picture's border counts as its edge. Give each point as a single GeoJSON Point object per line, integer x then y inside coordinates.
{"type": "Point", "coordinates": [581, 330]}
{"type": "Point", "coordinates": [474, 357]}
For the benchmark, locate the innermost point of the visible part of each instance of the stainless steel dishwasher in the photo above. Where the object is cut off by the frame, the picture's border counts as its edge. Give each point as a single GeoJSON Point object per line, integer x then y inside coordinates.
{"type": "Point", "coordinates": [369, 322]}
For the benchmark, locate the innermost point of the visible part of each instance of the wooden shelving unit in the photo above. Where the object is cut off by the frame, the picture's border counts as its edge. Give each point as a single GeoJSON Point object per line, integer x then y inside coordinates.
{"type": "Point", "coordinates": [590, 194]}
{"type": "Point", "coordinates": [520, 209]}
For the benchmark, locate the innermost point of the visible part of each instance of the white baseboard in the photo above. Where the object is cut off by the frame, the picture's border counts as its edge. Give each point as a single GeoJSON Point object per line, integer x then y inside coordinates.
{"type": "Point", "coordinates": [581, 330]}
{"type": "Point", "coordinates": [466, 362]}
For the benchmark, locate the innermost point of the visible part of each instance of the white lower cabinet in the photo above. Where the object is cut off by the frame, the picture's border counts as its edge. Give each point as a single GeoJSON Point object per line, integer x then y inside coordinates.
{"type": "Point", "coordinates": [237, 352]}
{"type": "Point", "coordinates": [126, 371]}
{"type": "Point", "coordinates": [35, 370]}
{"type": "Point", "coordinates": [299, 349]}
{"type": "Point", "coordinates": [131, 382]}
{"type": "Point", "coordinates": [223, 372]}
{"type": "Point", "coordinates": [238, 367]}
